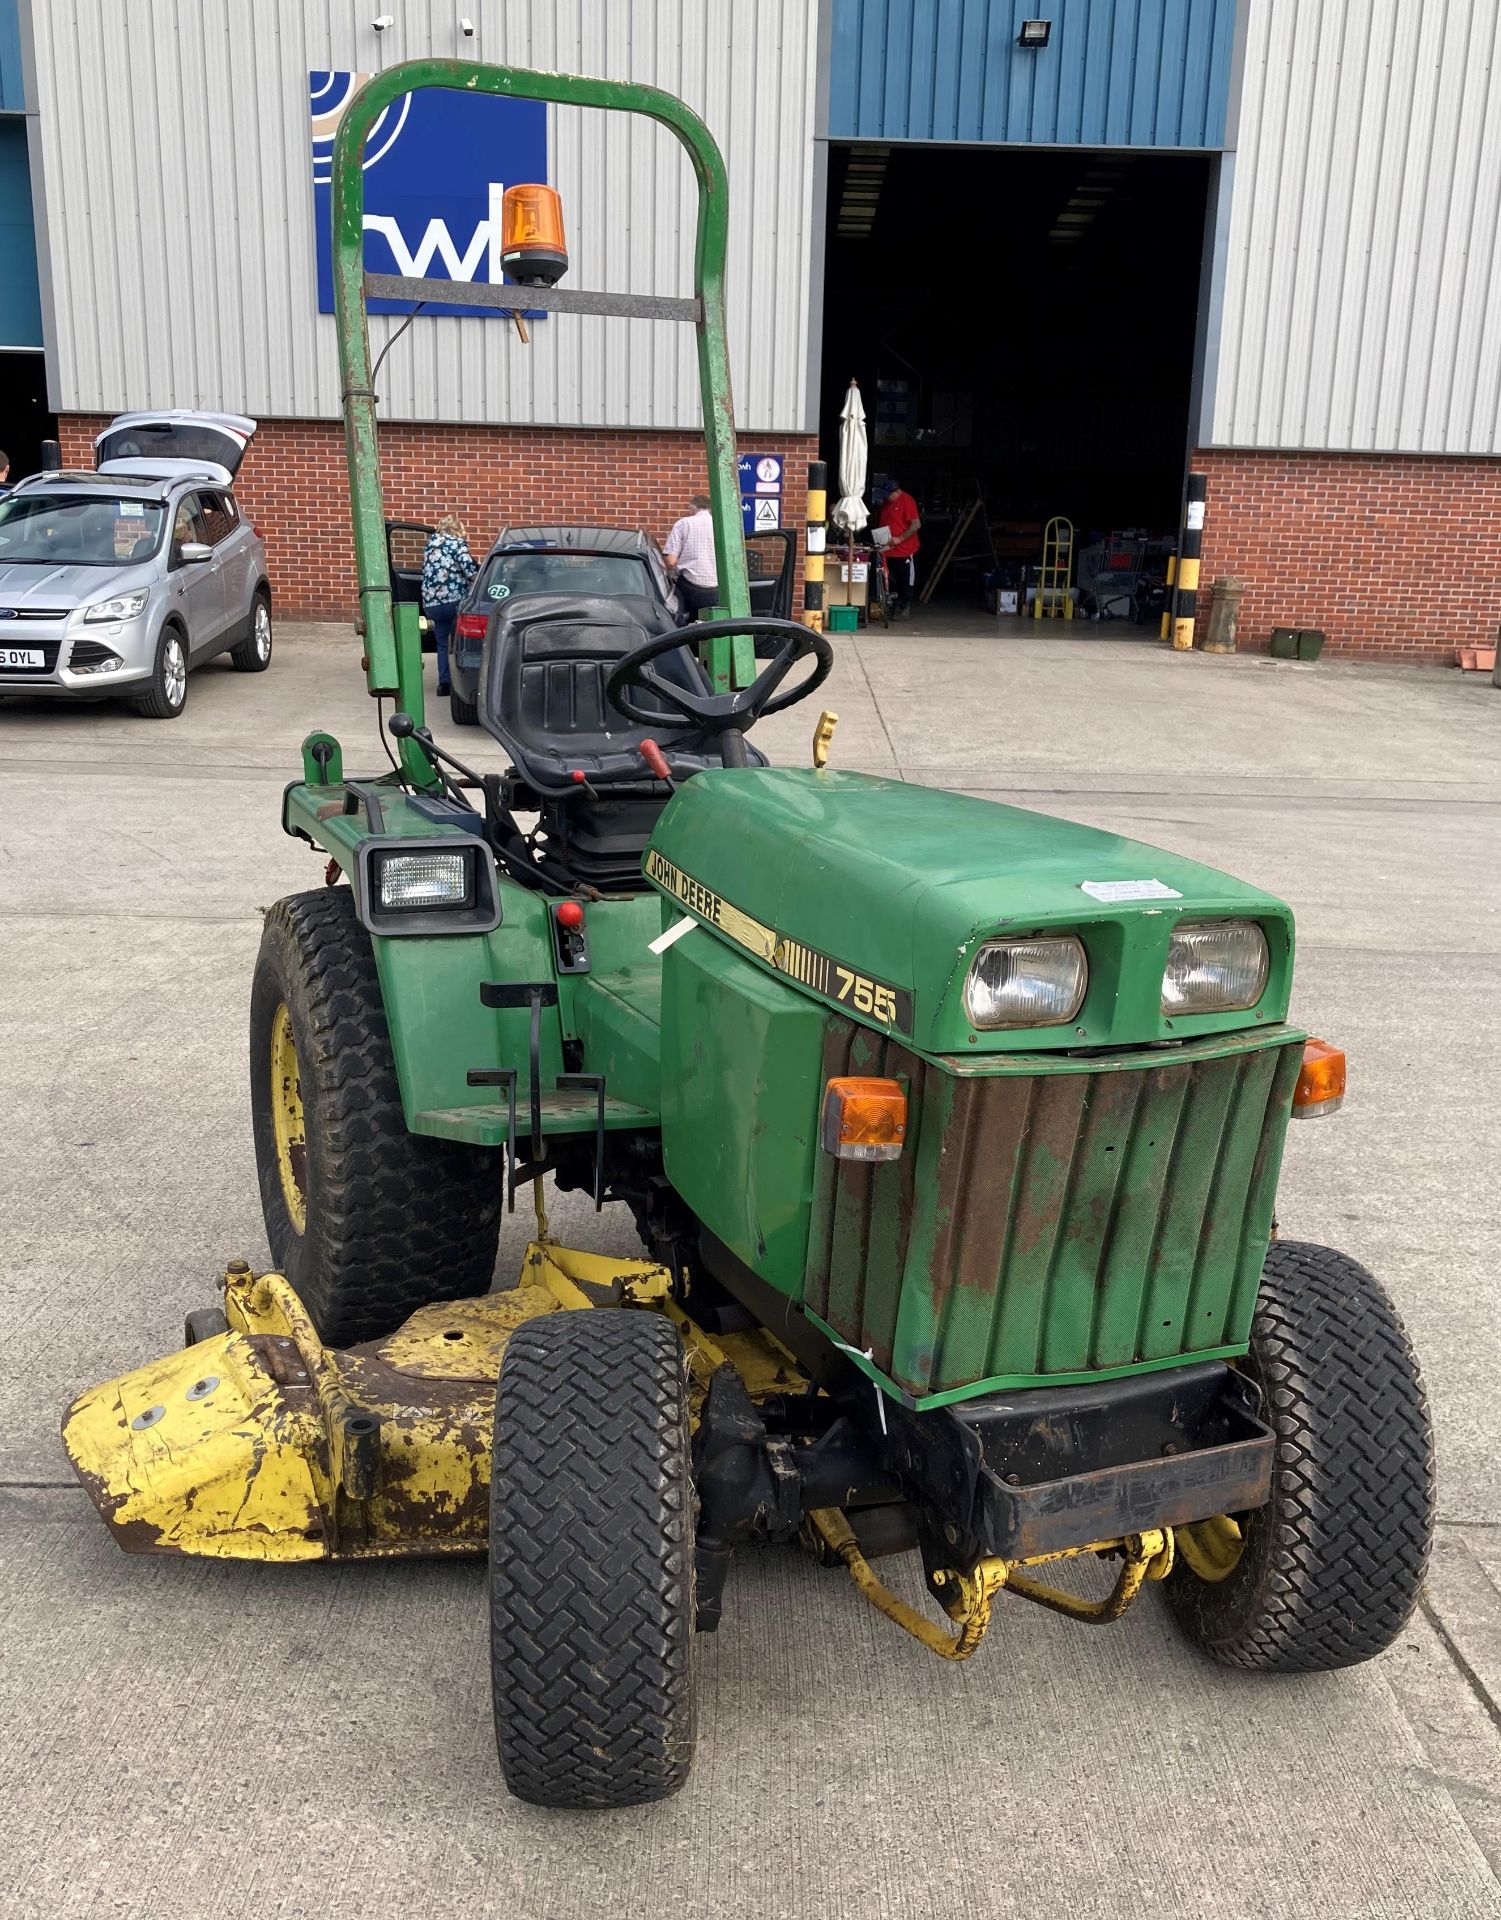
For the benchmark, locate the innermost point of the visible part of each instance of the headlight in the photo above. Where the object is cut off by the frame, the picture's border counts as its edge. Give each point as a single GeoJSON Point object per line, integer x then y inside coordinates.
{"type": "Point", "coordinates": [1026, 983]}
{"type": "Point", "coordinates": [410, 881]}
{"type": "Point", "coordinates": [1217, 966]}
{"type": "Point", "coordinates": [124, 606]}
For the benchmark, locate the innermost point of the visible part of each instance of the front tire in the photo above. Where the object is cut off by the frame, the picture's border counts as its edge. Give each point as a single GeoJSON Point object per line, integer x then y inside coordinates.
{"type": "Point", "coordinates": [1327, 1573]}
{"type": "Point", "coordinates": [167, 692]}
{"type": "Point", "coordinates": [591, 1561]}
{"type": "Point", "coordinates": [253, 654]}
{"type": "Point", "coordinates": [367, 1221]}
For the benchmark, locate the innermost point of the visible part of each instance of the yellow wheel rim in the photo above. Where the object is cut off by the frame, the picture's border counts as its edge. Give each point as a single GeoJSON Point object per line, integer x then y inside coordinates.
{"type": "Point", "coordinates": [1212, 1548]}
{"type": "Point", "coordinates": [286, 1118]}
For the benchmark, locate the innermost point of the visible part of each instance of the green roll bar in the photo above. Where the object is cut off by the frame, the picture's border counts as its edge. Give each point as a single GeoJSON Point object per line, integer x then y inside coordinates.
{"type": "Point", "coordinates": [393, 650]}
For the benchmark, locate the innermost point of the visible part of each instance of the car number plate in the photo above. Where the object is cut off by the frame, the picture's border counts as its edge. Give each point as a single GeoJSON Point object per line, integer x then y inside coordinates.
{"type": "Point", "coordinates": [11, 657]}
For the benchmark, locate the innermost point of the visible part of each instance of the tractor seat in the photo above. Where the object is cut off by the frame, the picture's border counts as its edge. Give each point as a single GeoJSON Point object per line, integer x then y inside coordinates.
{"type": "Point", "coordinates": [542, 695]}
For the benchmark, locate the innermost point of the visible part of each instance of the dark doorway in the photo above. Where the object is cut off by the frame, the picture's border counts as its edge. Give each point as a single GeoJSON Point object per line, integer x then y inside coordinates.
{"type": "Point", "coordinates": [24, 419]}
{"type": "Point", "coordinates": [1021, 321]}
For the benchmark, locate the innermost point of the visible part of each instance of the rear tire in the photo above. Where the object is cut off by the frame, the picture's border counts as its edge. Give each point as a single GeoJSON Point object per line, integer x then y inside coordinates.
{"type": "Point", "coordinates": [462, 712]}
{"type": "Point", "coordinates": [253, 654]}
{"type": "Point", "coordinates": [391, 1221]}
{"type": "Point", "coordinates": [591, 1561]}
{"type": "Point", "coordinates": [167, 692]}
{"type": "Point", "coordinates": [1331, 1568]}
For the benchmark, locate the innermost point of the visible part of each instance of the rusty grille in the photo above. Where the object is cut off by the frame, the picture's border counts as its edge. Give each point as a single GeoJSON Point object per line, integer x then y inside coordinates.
{"type": "Point", "coordinates": [1052, 1222]}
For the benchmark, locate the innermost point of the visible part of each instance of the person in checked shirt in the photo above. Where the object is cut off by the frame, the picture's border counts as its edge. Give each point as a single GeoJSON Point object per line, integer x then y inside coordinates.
{"type": "Point", "coordinates": [689, 554]}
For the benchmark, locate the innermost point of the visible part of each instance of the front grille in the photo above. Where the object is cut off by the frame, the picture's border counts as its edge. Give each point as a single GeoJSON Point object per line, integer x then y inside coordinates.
{"type": "Point", "coordinates": [8, 614]}
{"type": "Point", "coordinates": [1038, 1223]}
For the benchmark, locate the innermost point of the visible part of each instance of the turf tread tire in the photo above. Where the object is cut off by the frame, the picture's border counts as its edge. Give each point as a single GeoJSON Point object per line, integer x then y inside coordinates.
{"type": "Point", "coordinates": [395, 1221]}
{"type": "Point", "coordinates": [591, 1561]}
{"type": "Point", "coordinates": [1333, 1565]}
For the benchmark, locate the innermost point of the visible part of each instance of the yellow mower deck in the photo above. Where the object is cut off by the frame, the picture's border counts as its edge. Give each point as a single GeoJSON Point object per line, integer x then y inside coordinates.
{"type": "Point", "coordinates": [263, 1444]}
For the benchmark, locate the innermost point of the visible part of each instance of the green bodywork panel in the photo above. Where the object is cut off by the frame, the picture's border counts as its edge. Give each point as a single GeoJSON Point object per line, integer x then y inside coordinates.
{"type": "Point", "coordinates": [902, 883]}
{"type": "Point", "coordinates": [441, 1030]}
{"type": "Point", "coordinates": [741, 1080]}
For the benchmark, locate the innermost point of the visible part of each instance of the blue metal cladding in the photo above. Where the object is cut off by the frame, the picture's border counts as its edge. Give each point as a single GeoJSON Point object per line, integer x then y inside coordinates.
{"type": "Point", "coordinates": [1115, 73]}
{"type": "Point", "coordinates": [20, 305]}
{"type": "Point", "coordinates": [12, 96]}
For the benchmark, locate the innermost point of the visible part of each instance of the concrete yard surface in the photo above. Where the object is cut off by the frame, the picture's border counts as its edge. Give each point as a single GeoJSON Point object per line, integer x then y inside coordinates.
{"type": "Point", "coordinates": [185, 1738]}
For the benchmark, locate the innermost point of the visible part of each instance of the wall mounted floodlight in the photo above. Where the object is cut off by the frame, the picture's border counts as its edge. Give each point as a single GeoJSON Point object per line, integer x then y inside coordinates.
{"type": "Point", "coordinates": [382, 21]}
{"type": "Point", "coordinates": [466, 27]}
{"type": "Point", "coordinates": [1034, 34]}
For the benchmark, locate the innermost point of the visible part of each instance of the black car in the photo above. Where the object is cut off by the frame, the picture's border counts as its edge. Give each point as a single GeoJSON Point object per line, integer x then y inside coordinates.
{"type": "Point", "coordinates": [612, 563]}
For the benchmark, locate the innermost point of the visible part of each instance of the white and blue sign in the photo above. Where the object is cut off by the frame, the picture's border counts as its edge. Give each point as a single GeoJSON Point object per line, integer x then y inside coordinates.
{"type": "Point", "coordinates": [437, 164]}
{"type": "Point", "coordinates": [761, 492]}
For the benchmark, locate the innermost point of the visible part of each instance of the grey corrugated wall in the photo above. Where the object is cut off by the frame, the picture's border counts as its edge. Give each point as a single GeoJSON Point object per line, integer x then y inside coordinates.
{"type": "Point", "coordinates": [1362, 296]}
{"type": "Point", "coordinates": [176, 177]}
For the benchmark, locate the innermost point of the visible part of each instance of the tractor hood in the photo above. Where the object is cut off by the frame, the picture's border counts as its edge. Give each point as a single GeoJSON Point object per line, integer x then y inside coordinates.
{"type": "Point", "coordinates": [875, 896]}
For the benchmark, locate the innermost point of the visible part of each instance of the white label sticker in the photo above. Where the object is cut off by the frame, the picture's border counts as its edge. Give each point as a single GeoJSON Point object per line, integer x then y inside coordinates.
{"type": "Point", "coordinates": [673, 934]}
{"type": "Point", "coordinates": [1194, 519]}
{"type": "Point", "coordinates": [132, 510]}
{"type": "Point", "coordinates": [1112, 890]}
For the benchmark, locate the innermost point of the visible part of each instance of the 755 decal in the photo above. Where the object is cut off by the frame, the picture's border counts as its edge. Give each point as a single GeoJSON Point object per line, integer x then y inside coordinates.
{"type": "Point", "coordinates": [865, 995]}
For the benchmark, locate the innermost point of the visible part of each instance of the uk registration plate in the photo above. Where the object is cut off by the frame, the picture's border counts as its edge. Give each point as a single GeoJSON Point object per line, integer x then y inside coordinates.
{"type": "Point", "coordinates": [13, 657]}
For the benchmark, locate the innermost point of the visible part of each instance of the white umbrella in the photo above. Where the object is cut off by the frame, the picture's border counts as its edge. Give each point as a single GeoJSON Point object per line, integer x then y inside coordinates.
{"type": "Point", "coordinates": [851, 512]}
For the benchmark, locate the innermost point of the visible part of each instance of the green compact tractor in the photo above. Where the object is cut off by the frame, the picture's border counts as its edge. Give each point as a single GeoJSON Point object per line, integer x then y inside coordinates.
{"type": "Point", "coordinates": [951, 1132]}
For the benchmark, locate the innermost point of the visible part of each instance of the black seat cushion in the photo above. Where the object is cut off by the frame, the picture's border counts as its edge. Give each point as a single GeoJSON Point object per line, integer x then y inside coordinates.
{"type": "Point", "coordinates": [548, 657]}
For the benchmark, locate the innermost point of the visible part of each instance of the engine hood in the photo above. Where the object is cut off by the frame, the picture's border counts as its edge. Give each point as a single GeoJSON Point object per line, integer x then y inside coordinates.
{"type": "Point", "coordinates": [874, 896]}
{"type": "Point", "coordinates": [34, 585]}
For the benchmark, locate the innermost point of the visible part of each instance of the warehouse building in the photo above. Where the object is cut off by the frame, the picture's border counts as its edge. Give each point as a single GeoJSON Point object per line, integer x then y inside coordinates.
{"type": "Point", "coordinates": [1072, 251]}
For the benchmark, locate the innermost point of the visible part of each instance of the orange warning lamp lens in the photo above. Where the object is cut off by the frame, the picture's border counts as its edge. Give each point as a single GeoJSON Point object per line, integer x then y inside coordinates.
{"type": "Point", "coordinates": [532, 247]}
{"type": "Point", "coordinates": [1321, 1084]}
{"type": "Point", "coordinates": [864, 1119]}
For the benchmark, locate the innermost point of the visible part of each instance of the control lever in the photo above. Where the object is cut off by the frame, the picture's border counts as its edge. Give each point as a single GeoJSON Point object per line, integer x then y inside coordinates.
{"type": "Point", "coordinates": [403, 727]}
{"type": "Point", "coordinates": [656, 762]}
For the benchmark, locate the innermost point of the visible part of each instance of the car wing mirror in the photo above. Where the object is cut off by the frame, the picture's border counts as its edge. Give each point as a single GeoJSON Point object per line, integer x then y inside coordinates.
{"type": "Point", "coordinates": [191, 552]}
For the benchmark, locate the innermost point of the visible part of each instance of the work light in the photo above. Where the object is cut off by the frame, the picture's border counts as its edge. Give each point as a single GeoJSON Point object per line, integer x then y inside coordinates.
{"type": "Point", "coordinates": [1026, 983]}
{"type": "Point", "coordinates": [1214, 966]}
{"type": "Point", "coordinates": [411, 881]}
{"type": "Point", "coordinates": [532, 247]}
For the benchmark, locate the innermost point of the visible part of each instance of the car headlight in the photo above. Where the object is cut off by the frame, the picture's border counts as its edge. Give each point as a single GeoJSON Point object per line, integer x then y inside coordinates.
{"type": "Point", "coordinates": [1215, 966]}
{"type": "Point", "coordinates": [125, 606]}
{"type": "Point", "coordinates": [1026, 983]}
{"type": "Point", "coordinates": [411, 881]}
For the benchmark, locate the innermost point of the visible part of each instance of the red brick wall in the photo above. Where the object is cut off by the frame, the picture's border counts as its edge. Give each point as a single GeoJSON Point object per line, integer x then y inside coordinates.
{"type": "Point", "coordinates": [1395, 557]}
{"type": "Point", "coordinates": [293, 487]}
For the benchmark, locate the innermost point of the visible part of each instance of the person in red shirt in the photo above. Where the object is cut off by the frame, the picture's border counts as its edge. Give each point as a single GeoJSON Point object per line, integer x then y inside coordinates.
{"type": "Point", "coordinates": [899, 513]}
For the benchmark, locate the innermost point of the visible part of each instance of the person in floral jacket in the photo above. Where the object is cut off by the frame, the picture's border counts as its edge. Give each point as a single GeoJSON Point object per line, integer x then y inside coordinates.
{"type": "Point", "coordinates": [447, 569]}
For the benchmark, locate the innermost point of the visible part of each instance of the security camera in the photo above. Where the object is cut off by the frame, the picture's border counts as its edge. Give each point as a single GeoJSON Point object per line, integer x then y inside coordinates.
{"type": "Point", "coordinates": [466, 27]}
{"type": "Point", "coordinates": [382, 21]}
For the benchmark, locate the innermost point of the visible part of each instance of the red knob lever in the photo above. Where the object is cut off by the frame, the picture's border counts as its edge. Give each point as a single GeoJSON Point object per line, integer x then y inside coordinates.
{"type": "Point", "coordinates": [655, 759]}
{"type": "Point", "coordinates": [570, 914]}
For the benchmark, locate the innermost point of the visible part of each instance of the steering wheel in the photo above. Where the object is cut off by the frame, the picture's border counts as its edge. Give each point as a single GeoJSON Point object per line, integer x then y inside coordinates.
{"type": "Point", "coordinates": [722, 713]}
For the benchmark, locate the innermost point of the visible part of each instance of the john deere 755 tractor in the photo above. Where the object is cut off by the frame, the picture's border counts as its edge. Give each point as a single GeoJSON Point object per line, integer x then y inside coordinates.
{"type": "Point", "coordinates": [951, 1131]}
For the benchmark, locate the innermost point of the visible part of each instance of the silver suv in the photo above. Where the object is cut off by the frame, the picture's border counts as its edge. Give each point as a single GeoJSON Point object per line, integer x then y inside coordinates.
{"type": "Point", "coordinates": [117, 582]}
